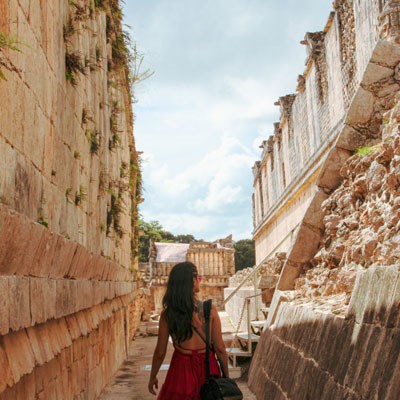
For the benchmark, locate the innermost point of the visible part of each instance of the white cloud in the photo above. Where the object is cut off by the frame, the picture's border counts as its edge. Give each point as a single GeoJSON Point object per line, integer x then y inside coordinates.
{"type": "Point", "coordinates": [219, 66]}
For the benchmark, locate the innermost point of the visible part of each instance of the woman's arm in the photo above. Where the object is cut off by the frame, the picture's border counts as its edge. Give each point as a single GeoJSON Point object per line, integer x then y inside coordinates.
{"type": "Point", "coordinates": [159, 353]}
{"type": "Point", "coordinates": [218, 342]}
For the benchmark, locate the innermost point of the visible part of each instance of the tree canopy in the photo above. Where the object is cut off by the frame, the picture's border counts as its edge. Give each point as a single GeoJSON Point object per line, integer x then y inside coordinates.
{"type": "Point", "coordinates": [153, 230]}
{"type": "Point", "coordinates": [245, 255]}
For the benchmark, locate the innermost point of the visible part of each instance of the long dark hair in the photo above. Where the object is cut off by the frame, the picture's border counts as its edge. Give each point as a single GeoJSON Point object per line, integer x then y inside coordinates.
{"type": "Point", "coordinates": [178, 301]}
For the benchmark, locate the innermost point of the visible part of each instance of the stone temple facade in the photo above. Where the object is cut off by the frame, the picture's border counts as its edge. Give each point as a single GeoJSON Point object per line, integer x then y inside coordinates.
{"type": "Point", "coordinates": [327, 193]}
{"type": "Point", "coordinates": [215, 262]}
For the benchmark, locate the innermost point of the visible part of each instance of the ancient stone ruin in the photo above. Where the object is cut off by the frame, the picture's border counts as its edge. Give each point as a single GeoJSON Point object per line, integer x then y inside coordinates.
{"type": "Point", "coordinates": [69, 190]}
{"type": "Point", "coordinates": [327, 193]}
{"type": "Point", "coordinates": [326, 211]}
{"type": "Point", "coordinates": [215, 262]}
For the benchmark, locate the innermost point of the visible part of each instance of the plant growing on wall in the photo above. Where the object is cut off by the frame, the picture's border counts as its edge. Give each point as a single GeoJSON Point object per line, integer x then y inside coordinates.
{"type": "Point", "coordinates": [114, 215]}
{"type": "Point", "coordinates": [42, 219]}
{"type": "Point", "coordinates": [73, 67]}
{"type": "Point", "coordinates": [86, 116]}
{"type": "Point", "coordinates": [115, 139]}
{"type": "Point", "coordinates": [80, 195]}
{"type": "Point", "coordinates": [367, 150]}
{"type": "Point", "coordinates": [80, 13]}
{"type": "Point", "coordinates": [94, 140]}
{"type": "Point", "coordinates": [69, 29]}
{"type": "Point", "coordinates": [7, 42]}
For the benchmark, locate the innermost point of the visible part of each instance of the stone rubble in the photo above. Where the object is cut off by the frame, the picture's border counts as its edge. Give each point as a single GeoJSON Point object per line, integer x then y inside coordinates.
{"type": "Point", "coordinates": [361, 218]}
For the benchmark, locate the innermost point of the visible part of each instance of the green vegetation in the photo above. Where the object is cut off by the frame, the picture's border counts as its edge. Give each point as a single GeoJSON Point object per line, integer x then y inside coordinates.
{"type": "Point", "coordinates": [114, 215]}
{"type": "Point", "coordinates": [99, 5]}
{"type": "Point", "coordinates": [91, 63]}
{"type": "Point", "coordinates": [365, 151]}
{"type": "Point", "coordinates": [115, 139]}
{"type": "Point", "coordinates": [81, 13]}
{"type": "Point", "coordinates": [68, 29]}
{"type": "Point", "coordinates": [244, 254]}
{"type": "Point", "coordinates": [73, 66]}
{"type": "Point", "coordinates": [41, 217]}
{"type": "Point", "coordinates": [94, 140]}
{"type": "Point", "coordinates": [98, 54]}
{"type": "Point", "coordinates": [7, 42]}
{"type": "Point", "coordinates": [123, 170]}
{"type": "Point", "coordinates": [80, 195]}
{"type": "Point", "coordinates": [43, 222]}
{"type": "Point", "coordinates": [124, 52]}
{"type": "Point", "coordinates": [154, 231]}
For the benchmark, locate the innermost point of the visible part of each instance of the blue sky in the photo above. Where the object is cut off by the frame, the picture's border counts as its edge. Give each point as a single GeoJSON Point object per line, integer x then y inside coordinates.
{"type": "Point", "coordinates": [219, 66]}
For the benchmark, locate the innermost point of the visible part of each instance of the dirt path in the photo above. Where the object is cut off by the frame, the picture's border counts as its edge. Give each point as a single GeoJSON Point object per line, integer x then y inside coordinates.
{"type": "Point", "coordinates": [130, 381]}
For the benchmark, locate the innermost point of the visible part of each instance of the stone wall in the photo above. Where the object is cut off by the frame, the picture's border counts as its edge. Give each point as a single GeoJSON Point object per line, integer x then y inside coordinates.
{"type": "Point", "coordinates": [215, 262]}
{"type": "Point", "coordinates": [310, 353]}
{"type": "Point", "coordinates": [261, 282]}
{"type": "Point", "coordinates": [334, 316]}
{"type": "Point", "coordinates": [310, 121]}
{"type": "Point", "coordinates": [69, 189]}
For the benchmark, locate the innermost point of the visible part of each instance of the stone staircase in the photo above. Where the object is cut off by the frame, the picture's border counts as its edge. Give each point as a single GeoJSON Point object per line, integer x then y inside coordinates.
{"type": "Point", "coordinates": [244, 342]}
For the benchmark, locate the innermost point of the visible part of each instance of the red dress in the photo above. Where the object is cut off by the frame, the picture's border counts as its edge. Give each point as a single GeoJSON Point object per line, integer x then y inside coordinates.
{"type": "Point", "coordinates": [185, 376]}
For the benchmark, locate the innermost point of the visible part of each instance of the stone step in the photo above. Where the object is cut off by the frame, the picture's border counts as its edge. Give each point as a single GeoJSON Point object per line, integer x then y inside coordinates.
{"type": "Point", "coordinates": [258, 323]}
{"type": "Point", "coordinates": [235, 352]}
{"type": "Point", "coordinates": [245, 336]}
{"type": "Point", "coordinates": [234, 372]}
{"type": "Point", "coordinates": [257, 326]}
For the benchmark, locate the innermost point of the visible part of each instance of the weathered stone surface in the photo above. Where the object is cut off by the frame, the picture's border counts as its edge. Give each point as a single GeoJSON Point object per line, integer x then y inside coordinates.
{"type": "Point", "coordinates": [42, 299]}
{"type": "Point", "coordinates": [375, 72]}
{"type": "Point", "coordinates": [55, 195]}
{"type": "Point", "coordinates": [38, 338]}
{"type": "Point", "coordinates": [6, 377]}
{"type": "Point", "coordinates": [18, 292]}
{"type": "Point", "coordinates": [329, 177]}
{"type": "Point", "coordinates": [4, 306]}
{"type": "Point", "coordinates": [351, 139]}
{"type": "Point", "coordinates": [300, 253]}
{"type": "Point", "coordinates": [386, 53]}
{"type": "Point", "coordinates": [314, 215]}
{"type": "Point", "coordinates": [19, 353]}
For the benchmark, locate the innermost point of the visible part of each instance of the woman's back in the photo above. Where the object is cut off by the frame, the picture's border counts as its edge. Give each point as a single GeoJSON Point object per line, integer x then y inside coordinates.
{"type": "Point", "coordinates": [196, 342]}
{"type": "Point", "coordinates": [183, 321]}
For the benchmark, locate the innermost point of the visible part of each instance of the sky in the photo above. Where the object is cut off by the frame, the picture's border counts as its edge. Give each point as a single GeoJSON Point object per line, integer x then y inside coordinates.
{"type": "Point", "coordinates": [219, 66]}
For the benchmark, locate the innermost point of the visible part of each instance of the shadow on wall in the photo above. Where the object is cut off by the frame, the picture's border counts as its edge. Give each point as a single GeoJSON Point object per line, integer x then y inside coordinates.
{"type": "Point", "coordinates": [321, 356]}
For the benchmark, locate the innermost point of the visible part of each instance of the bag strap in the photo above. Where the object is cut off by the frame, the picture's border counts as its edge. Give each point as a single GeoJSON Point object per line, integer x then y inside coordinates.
{"type": "Point", "coordinates": [207, 310]}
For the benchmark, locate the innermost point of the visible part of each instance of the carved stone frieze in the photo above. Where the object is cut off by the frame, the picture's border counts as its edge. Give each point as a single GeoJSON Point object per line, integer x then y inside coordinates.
{"type": "Point", "coordinates": [301, 83]}
{"type": "Point", "coordinates": [315, 42]}
{"type": "Point", "coordinates": [285, 103]}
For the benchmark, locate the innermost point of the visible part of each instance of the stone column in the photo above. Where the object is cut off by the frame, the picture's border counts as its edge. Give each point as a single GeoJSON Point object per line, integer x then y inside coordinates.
{"type": "Point", "coordinates": [221, 262]}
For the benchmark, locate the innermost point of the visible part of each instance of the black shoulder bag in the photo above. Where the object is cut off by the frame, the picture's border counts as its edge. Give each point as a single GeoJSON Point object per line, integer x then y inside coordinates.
{"type": "Point", "coordinates": [216, 388]}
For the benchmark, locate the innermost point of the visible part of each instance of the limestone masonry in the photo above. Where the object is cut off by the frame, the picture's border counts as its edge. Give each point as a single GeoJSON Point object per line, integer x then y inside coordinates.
{"type": "Point", "coordinates": [327, 192]}
{"type": "Point", "coordinates": [215, 262]}
{"type": "Point", "coordinates": [69, 190]}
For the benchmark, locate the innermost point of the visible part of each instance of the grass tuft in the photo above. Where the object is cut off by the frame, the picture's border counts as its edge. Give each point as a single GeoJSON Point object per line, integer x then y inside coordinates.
{"type": "Point", "coordinates": [73, 67]}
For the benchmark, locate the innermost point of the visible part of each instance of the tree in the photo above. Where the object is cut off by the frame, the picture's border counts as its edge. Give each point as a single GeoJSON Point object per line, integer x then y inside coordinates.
{"type": "Point", "coordinates": [185, 239]}
{"type": "Point", "coordinates": [154, 231]}
{"type": "Point", "coordinates": [245, 255]}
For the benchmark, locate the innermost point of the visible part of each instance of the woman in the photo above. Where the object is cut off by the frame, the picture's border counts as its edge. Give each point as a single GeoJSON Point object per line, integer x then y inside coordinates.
{"type": "Point", "coordinates": [183, 319]}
